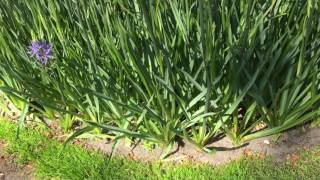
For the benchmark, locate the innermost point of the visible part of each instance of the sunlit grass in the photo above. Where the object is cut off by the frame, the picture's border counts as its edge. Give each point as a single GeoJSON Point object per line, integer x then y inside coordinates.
{"type": "Point", "coordinates": [78, 163]}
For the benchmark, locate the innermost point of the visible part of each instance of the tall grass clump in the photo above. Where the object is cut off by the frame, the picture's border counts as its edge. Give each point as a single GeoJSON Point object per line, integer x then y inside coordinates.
{"type": "Point", "coordinates": [161, 70]}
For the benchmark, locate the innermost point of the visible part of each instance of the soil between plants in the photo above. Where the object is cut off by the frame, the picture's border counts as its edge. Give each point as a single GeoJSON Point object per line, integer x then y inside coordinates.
{"type": "Point", "coordinates": [9, 170]}
{"type": "Point", "coordinates": [278, 148]}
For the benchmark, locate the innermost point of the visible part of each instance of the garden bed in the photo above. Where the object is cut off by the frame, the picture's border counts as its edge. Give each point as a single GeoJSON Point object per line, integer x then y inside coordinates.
{"type": "Point", "coordinates": [278, 147]}
{"type": "Point", "coordinates": [193, 81]}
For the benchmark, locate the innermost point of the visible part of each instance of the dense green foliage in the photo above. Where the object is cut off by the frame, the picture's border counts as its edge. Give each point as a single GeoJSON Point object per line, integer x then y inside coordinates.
{"type": "Point", "coordinates": [158, 70]}
{"type": "Point", "coordinates": [77, 163]}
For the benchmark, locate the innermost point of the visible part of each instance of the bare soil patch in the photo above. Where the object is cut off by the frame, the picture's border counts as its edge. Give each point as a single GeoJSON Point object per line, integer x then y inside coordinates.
{"type": "Point", "coordinates": [279, 149]}
{"type": "Point", "coordinates": [9, 170]}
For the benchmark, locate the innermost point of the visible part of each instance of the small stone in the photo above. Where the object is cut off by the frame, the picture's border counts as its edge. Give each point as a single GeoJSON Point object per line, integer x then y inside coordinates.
{"type": "Point", "coordinates": [266, 142]}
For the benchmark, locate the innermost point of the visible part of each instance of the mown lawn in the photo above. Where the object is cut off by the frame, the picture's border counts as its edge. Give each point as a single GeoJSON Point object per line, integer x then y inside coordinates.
{"type": "Point", "coordinates": [78, 163]}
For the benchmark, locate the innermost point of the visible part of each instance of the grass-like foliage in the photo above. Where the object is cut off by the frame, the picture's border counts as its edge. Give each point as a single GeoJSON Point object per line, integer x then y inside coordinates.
{"type": "Point", "coordinates": [77, 163]}
{"type": "Point", "coordinates": [161, 70]}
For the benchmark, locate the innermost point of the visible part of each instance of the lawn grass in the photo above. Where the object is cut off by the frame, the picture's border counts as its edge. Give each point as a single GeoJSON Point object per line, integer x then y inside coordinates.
{"type": "Point", "coordinates": [78, 163]}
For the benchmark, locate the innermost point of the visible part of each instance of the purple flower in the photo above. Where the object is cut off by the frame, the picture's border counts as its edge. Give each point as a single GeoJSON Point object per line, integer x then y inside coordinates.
{"type": "Point", "coordinates": [41, 50]}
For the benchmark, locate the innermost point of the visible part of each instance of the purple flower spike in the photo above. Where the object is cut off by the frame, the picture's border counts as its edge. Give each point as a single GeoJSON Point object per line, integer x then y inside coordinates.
{"type": "Point", "coordinates": [41, 50]}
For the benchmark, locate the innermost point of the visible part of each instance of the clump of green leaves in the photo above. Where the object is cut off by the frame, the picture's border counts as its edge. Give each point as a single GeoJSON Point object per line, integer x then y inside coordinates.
{"type": "Point", "coordinates": [162, 70]}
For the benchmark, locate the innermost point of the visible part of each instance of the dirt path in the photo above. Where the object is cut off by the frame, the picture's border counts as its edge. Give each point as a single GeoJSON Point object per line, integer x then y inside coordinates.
{"type": "Point", "coordinates": [9, 170]}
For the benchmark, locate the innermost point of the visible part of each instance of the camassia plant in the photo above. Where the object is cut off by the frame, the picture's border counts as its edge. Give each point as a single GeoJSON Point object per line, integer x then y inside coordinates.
{"type": "Point", "coordinates": [162, 70]}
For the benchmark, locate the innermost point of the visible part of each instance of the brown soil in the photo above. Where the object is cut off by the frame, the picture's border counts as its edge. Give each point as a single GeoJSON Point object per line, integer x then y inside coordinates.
{"type": "Point", "coordinates": [9, 170]}
{"type": "Point", "coordinates": [278, 148]}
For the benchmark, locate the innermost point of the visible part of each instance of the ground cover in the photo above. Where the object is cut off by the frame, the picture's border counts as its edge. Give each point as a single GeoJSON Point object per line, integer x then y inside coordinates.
{"type": "Point", "coordinates": [35, 150]}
